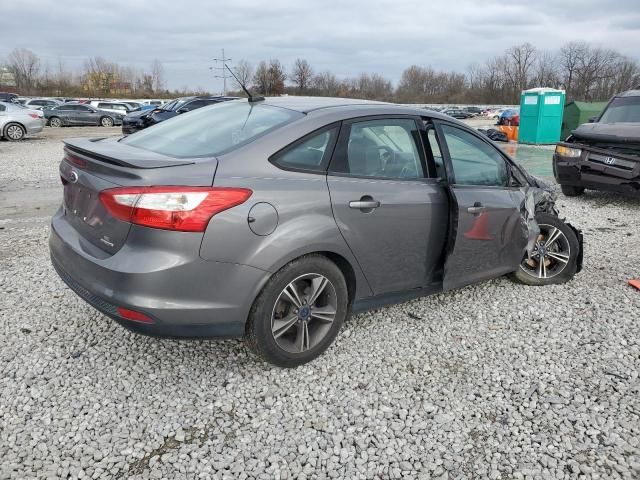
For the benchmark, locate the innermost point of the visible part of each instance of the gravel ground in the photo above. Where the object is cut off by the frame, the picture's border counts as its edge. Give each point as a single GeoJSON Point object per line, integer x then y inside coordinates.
{"type": "Point", "coordinates": [496, 380]}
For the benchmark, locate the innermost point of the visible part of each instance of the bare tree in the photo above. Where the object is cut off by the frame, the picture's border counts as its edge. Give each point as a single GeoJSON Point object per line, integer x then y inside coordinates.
{"type": "Point", "coordinates": [277, 76]}
{"type": "Point", "coordinates": [244, 72]}
{"type": "Point", "coordinates": [261, 78]}
{"type": "Point", "coordinates": [326, 83]}
{"type": "Point", "coordinates": [545, 71]}
{"type": "Point", "coordinates": [157, 74]}
{"type": "Point", "coordinates": [25, 66]}
{"type": "Point", "coordinates": [302, 75]}
{"type": "Point", "coordinates": [520, 61]}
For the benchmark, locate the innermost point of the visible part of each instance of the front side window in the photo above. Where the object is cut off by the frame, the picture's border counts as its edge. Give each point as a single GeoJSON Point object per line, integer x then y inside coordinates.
{"type": "Point", "coordinates": [309, 153]}
{"type": "Point", "coordinates": [474, 162]}
{"type": "Point", "coordinates": [385, 148]}
{"type": "Point", "coordinates": [212, 130]}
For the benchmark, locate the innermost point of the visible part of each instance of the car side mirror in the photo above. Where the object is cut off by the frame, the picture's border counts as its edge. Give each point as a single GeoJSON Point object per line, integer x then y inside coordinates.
{"type": "Point", "coordinates": [182, 110]}
{"type": "Point", "coordinates": [592, 119]}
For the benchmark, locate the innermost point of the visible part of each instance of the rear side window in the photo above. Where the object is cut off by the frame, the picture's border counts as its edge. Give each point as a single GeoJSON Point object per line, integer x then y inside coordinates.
{"type": "Point", "coordinates": [384, 148]}
{"type": "Point", "coordinates": [212, 130]}
{"type": "Point", "coordinates": [311, 152]}
{"type": "Point", "coordinates": [2, 108]}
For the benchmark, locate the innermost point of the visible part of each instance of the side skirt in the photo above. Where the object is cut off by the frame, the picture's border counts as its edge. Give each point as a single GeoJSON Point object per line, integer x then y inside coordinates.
{"type": "Point", "coordinates": [386, 299]}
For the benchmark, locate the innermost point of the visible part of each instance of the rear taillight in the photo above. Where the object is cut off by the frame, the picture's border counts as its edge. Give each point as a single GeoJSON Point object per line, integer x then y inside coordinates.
{"type": "Point", "coordinates": [34, 115]}
{"type": "Point", "coordinates": [185, 209]}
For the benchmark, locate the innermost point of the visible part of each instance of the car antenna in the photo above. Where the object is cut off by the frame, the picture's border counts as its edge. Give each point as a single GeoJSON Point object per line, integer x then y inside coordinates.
{"type": "Point", "coordinates": [252, 98]}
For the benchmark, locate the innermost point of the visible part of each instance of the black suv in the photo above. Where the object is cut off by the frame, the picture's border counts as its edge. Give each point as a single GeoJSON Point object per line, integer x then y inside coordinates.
{"type": "Point", "coordinates": [8, 97]}
{"type": "Point", "coordinates": [138, 120]}
{"type": "Point", "coordinates": [603, 154]}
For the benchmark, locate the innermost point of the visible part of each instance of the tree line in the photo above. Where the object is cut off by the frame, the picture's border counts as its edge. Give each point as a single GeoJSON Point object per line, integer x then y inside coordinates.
{"type": "Point", "coordinates": [584, 71]}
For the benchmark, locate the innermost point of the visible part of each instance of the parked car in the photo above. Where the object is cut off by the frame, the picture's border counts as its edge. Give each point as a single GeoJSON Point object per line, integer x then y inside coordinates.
{"type": "Point", "coordinates": [140, 120]}
{"type": "Point", "coordinates": [8, 97]}
{"type": "Point", "coordinates": [457, 113]}
{"type": "Point", "coordinates": [605, 153]}
{"type": "Point", "coordinates": [41, 103]}
{"type": "Point", "coordinates": [273, 220]}
{"type": "Point", "coordinates": [510, 118]}
{"type": "Point", "coordinates": [474, 111]}
{"type": "Point", "coordinates": [135, 106]}
{"type": "Point", "coordinates": [153, 102]}
{"type": "Point", "coordinates": [70, 114]}
{"type": "Point", "coordinates": [113, 107]}
{"type": "Point", "coordinates": [17, 121]}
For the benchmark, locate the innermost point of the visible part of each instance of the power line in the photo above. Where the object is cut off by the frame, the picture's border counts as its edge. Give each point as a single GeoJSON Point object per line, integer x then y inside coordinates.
{"type": "Point", "coordinates": [224, 75]}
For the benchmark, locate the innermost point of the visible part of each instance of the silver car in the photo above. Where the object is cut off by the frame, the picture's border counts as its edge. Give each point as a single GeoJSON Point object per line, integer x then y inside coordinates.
{"type": "Point", "coordinates": [274, 219]}
{"type": "Point", "coordinates": [17, 121]}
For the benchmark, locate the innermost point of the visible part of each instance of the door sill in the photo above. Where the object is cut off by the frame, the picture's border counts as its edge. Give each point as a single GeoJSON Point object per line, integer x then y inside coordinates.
{"type": "Point", "coordinates": [386, 299]}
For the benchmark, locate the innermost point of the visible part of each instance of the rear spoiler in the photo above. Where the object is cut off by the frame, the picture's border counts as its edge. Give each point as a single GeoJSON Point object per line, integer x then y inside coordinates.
{"type": "Point", "coordinates": [113, 152]}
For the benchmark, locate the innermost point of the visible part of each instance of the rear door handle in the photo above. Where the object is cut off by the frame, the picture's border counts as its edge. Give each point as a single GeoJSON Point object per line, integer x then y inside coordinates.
{"type": "Point", "coordinates": [364, 204]}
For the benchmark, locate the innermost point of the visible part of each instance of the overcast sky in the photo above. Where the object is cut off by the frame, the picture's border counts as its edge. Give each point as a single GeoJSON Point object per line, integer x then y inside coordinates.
{"type": "Point", "coordinates": [345, 37]}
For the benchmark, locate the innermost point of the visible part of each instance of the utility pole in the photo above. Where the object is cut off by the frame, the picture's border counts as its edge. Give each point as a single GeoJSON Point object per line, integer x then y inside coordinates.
{"type": "Point", "coordinates": [223, 71]}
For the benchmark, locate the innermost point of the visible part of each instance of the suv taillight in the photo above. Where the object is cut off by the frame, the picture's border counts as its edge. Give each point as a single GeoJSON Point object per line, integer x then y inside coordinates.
{"type": "Point", "coordinates": [185, 209]}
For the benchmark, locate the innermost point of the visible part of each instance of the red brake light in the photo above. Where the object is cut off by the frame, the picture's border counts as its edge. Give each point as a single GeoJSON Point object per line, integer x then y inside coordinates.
{"type": "Point", "coordinates": [34, 115]}
{"type": "Point", "coordinates": [185, 209]}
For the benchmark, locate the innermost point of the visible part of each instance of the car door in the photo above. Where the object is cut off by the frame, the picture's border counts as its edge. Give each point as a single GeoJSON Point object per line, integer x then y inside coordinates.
{"type": "Point", "coordinates": [488, 238]}
{"type": "Point", "coordinates": [87, 116]}
{"type": "Point", "coordinates": [66, 113]}
{"type": "Point", "coordinates": [390, 213]}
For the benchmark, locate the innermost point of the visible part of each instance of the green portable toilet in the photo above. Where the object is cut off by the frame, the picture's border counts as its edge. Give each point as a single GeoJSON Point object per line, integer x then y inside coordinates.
{"type": "Point", "coordinates": [577, 113]}
{"type": "Point", "coordinates": [541, 112]}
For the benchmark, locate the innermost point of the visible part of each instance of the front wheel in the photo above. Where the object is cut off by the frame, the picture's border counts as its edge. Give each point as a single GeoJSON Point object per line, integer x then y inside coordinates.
{"type": "Point", "coordinates": [554, 258]}
{"type": "Point", "coordinates": [55, 122]}
{"type": "Point", "coordinates": [299, 312]}
{"type": "Point", "coordinates": [106, 122]}
{"type": "Point", "coordinates": [571, 191]}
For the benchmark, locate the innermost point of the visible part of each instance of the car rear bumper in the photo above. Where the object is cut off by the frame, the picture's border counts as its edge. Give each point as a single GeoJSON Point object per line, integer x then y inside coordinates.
{"type": "Point", "coordinates": [184, 295]}
{"type": "Point", "coordinates": [596, 175]}
{"type": "Point", "coordinates": [129, 128]}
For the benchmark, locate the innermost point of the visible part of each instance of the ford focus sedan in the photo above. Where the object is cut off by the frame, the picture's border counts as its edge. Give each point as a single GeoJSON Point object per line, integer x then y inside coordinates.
{"type": "Point", "coordinates": [274, 219]}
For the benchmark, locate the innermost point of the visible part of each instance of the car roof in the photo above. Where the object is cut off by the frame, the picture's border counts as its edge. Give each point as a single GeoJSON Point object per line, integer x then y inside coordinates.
{"type": "Point", "coordinates": [349, 105]}
{"type": "Point", "coordinates": [629, 93]}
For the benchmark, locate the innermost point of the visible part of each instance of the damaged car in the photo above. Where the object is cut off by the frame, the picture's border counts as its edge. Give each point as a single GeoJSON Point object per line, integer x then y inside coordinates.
{"type": "Point", "coordinates": [274, 219]}
{"type": "Point", "coordinates": [605, 153]}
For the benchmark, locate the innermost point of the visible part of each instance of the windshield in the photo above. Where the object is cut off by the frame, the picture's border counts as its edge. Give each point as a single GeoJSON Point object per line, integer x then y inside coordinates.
{"type": "Point", "coordinates": [211, 130]}
{"type": "Point", "coordinates": [622, 110]}
{"type": "Point", "coordinates": [172, 105]}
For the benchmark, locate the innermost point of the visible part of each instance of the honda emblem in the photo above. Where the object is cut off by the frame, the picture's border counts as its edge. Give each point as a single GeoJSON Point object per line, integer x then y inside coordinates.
{"type": "Point", "coordinates": [610, 161]}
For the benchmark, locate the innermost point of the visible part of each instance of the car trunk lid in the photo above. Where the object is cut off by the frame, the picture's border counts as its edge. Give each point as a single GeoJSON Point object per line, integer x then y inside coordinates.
{"type": "Point", "coordinates": [91, 166]}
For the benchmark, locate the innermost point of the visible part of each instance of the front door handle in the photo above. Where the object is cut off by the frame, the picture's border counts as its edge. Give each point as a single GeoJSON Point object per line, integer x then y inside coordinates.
{"type": "Point", "coordinates": [477, 208]}
{"type": "Point", "coordinates": [364, 204]}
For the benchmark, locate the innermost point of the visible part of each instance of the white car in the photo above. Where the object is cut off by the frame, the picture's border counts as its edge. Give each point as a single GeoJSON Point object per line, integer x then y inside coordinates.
{"type": "Point", "coordinates": [17, 121]}
{"type": "Point", "coordinates": [113, 107]}
{"type": "Point", "coordinates": [40, 103]}
{"type": "Point", "coordinates": [154, 102]}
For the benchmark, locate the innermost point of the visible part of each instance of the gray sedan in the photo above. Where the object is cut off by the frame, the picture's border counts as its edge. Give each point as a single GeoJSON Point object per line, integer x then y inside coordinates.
{"type": "Point", "coordinates": [17, 121]}
{"type": "Point", "coordinates": [71, 114]}
{"type": "Point", "coordinates": [274, 219]}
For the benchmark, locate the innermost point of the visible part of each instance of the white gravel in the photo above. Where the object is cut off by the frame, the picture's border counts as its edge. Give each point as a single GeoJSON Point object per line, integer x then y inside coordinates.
{"type": "Point", "coordinates": [493, 381]}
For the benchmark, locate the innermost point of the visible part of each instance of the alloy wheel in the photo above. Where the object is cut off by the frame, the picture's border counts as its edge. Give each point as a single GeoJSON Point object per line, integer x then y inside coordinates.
{"type": "Point", "coordinates": [15, 132]}
{"type": "Point", "coordinates": [55, 122]}
{"type": "Point", "coordinates": [303, 313]}
{"type": "Point", "coordinates": [550, 254]}
{"type": "Point", "coordinates": [107, 122]}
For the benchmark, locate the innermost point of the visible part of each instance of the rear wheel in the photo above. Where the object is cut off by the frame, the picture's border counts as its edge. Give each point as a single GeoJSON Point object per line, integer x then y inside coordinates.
{"type": "Point", "coordinates": [299, 312]}
{"type": "Point", "coordinates": [55, 122]}
{"type": "Point", "coordinates": [14, 132]}
{"type": "Point", "coordinates": [570, 191]}
{"type": "Point", "coordinates": [554, 257]}
{"type": "Point", "coordinates": [106, 122]}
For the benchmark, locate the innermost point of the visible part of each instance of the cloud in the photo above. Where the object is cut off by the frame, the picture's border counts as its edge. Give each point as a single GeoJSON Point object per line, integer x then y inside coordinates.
{"type": "Point", "coordinates": [344, 37]}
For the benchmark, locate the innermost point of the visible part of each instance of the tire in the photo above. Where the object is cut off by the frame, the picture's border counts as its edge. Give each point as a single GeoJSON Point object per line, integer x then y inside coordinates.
{"type": "Point", "coordinates": [570, 191]}
{"type": "Point", "coordinates": [283, 335]}
{"type": "Point", "coordinates": [560, 257]}
{"type": "Point", "coordinates": [55, 122]}
{"type": "Point", "coordinates": [14, 132]}
{"type": "Point", "coordinates": [106, 122]}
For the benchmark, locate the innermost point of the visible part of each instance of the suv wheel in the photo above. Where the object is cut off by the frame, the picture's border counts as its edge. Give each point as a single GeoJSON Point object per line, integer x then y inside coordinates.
{"type": "Point", "coordinates": [555, 255]}
{"type": "Point", "coordinates": [106, 122]}
{"type": "Point", "coordinates": [570, 191]}
{"type": "Point", "coordinates": [299, 312]}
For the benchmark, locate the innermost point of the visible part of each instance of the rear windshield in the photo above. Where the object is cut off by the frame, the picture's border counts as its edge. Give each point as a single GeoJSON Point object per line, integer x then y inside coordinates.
{"type": "Point", "coordinates": [211, 130]}
{"type": "Point", "coordinates": [622, 110]}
